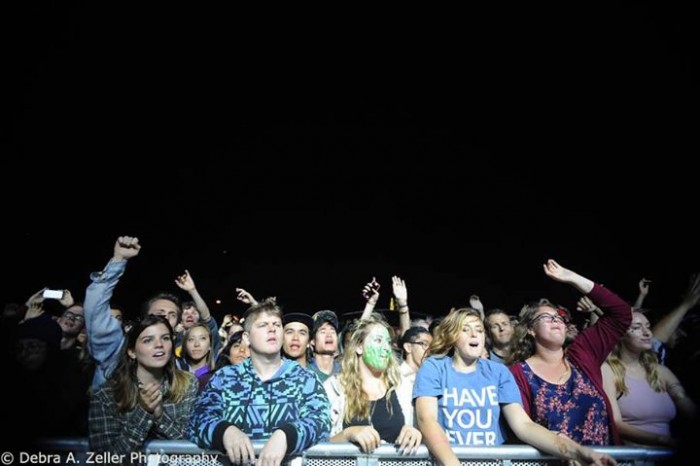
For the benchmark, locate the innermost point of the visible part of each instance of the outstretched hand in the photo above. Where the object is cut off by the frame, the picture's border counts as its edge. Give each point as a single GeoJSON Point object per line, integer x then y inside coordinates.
{"type": "Point", "coordinates": [400, 291]}
{"type": "Point", "coordinates": [371, 291]}
{"type": "Point", "coordinates": [585, 304]}
{"type": "Point", "coordinates": [245, 297]}
{"type": "Point", "coordinates": [185, 282]}
{"type": "Point", "coordinates": [557, 272]}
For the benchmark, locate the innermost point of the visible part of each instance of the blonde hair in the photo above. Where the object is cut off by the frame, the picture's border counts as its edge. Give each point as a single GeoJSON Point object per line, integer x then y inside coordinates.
{"type": "Point", "coordinates": [356, 400]}
{"type": "Point", "coordinates": [648, 361]}
{"type": "Point", "coordinates": [186, 355]}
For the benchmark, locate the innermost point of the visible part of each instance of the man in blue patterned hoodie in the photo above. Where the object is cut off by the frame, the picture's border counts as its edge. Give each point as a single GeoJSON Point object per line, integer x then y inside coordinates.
{"type": "Point", "coordinates": [265, 397]}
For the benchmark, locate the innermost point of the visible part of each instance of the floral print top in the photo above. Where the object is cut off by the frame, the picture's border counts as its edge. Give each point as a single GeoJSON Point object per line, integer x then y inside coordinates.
{"type": "Point", "coordinates": [574, 408]}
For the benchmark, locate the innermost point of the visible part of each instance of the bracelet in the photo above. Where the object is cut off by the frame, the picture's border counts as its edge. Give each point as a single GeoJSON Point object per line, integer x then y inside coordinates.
{"type": "Point", "coordinates": [404, 312]}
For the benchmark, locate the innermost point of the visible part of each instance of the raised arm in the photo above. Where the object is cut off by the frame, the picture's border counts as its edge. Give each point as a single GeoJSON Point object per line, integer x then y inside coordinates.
{"type": "Point", "coordinates": [245, 297]}
{"type": "Point", "coordinates": [561, 274]}
{"type": "Point", "coordinates": [186, 282]}
{"type": "Point", "coordinates": [643, 292]}
{"type": "Point", "coordinates": [476, 304]}
{"type": "Point", "coordinates": [104, 332]}
{"type": "Point", "coordinates": [401, 294]}
{"type": "Point", "coordinates": [668, 324]}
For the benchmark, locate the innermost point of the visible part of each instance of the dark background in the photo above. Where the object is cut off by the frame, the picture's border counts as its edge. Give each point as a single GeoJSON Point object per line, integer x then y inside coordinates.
{"type": "Point", "coordinates": [299, 153]}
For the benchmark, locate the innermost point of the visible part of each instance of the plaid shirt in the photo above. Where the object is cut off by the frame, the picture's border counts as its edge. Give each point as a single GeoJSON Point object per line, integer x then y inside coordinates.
{"type": "Point", "coordinates": [120, 433]}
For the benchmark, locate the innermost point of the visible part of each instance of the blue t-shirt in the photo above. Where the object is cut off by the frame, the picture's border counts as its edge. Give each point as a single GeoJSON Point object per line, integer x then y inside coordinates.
{"type": "Point", "coordinates": [468, 404]}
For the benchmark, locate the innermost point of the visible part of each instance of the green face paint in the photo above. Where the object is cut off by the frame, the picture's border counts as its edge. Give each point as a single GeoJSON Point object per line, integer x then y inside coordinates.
{"type": "Point", "coordinates": [377, 348]}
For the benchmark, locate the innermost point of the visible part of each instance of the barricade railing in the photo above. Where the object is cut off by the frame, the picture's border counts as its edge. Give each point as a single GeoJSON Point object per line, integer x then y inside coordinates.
{"type": "Point", "coordinates": [180, 452]}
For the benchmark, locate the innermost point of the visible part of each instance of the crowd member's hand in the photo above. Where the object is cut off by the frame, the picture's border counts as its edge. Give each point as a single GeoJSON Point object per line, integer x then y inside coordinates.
{"type": "Point", "coordinates": [557, 272]}
{"type": "Point", "coordinates": [185, 282]}
{"type": "Point", "coordinates": [151, 398]}
{"type": "Point", "coordinates": [644, 286]}
{"type": "Point", "coordinates": [126, 247]}
{"type": "Point", "coordinates": [371, 291]}
{"type": "Point", "coordinates": [274, 450]}
{"type": "Point", "coordinates": [67, 299]}
{"type": "Point", "coordinates": [366, 437]}
{"type": "Point", "coordinates": [35, 305]}
{"type": "Point", "coordinates": [238, 446]}
{"type": "Point", "coordinates": [245, 297]}
{"type": "Point", "coordinates": [408, 440]}
{"type": "Point", "coordinates": [584, 304]}
{"type": "Point", "coordinates": [398, 287]}
{"type": "Point", "coordinates": [476, 304]}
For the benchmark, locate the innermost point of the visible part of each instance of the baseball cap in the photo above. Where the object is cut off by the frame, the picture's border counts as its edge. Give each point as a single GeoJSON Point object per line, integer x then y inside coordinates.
{"type": "Point", "coordinates": [298, 317]}
{"type": "Point", "coordinates": [322, 317]}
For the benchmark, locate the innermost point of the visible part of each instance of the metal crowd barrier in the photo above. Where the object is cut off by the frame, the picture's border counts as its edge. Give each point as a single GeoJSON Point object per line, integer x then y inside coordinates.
{"type": "Point", "coordinates": [179, 452]}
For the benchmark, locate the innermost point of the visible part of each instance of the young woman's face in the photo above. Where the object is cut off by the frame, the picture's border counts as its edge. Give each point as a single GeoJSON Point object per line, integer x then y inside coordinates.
{"type": "Point", "coordinates": [238, 352]}
{"type": "Point", "coordinates": [472, 338]}
{"type": "Point", "coordinates": [638, 336]}
{"type": "Point", "coordinates": [198, 343]}
{"type": "Point", "coordinates": [153, 347]}
{"type": "Point", "coordinates": [547, 325]}
{"type": "Point", "coordinates": [376, 348]}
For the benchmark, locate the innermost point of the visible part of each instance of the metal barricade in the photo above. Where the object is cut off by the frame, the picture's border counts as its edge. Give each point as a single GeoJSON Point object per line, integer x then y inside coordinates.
{"type": "Point", "coordinates": [180, 452]}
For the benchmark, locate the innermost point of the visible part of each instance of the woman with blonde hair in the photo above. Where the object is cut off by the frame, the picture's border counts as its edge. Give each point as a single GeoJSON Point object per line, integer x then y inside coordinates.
{"type": "Point", "coordinates": [197, 353]}
{"type": "Point", "coordinates": [646, 396]}
{"type": "Point", "coordinates": [147, 397]}
{"type": "Point", "coordinates": [368, 405]}
{"type": "Point", "coordinates": [460, 398]}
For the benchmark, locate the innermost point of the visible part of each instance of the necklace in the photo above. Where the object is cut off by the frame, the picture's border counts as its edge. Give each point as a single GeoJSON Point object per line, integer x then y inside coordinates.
{"type": "Point", "coordinates": [566, 371]}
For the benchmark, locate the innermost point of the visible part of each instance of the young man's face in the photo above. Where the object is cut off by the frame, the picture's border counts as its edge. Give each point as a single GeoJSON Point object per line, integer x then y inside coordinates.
{"type": "Point", "coordinates": [190, 316]}
{"type": "Point", "coordinates": [265, 335]}
{"type": "Point", "coordinates": [296, 340]}
{"type": "Point", "coordinates": [165, 308]}
{"type": "Point", "coordinates": [326, 339]}
{"type": "Point", "coordinates": [72, 321]}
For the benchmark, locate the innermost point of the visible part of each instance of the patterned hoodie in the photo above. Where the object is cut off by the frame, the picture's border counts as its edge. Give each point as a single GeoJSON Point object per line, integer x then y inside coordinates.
{"type": "Point", "coordinates": [292, 400]}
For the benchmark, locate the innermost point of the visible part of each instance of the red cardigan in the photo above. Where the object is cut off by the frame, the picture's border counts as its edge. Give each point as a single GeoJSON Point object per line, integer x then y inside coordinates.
{"type": "Point", "coordinates": [590, 348]}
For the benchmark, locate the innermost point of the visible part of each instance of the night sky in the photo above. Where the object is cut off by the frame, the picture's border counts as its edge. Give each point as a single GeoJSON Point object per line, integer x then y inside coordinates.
{"type": "Point", "coordinates": [299, 154]}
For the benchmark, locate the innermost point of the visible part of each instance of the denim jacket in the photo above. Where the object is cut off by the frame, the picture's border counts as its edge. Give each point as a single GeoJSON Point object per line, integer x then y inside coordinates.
{"type": "Point", "coordinates": [104, 332]}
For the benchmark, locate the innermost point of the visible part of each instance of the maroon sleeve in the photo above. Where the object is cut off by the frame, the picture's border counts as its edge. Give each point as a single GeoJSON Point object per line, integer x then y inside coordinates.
{"type": "Point", "coordinates": [598, 340]}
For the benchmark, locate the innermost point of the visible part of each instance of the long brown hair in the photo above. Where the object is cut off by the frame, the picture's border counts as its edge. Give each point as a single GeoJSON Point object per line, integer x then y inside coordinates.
{"type": "Point", "coordinates": [522, 343]}
{"type": "Point", "coordinates": [124, 381]}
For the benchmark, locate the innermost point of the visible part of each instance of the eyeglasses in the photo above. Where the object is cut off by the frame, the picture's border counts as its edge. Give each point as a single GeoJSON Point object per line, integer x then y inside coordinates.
{"type": "Point", "coordinates": [549, 318]}
{"type": "Point", "coordinates": [72, 316]}
{"type": "Point", "coordinates": [422, 344]}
